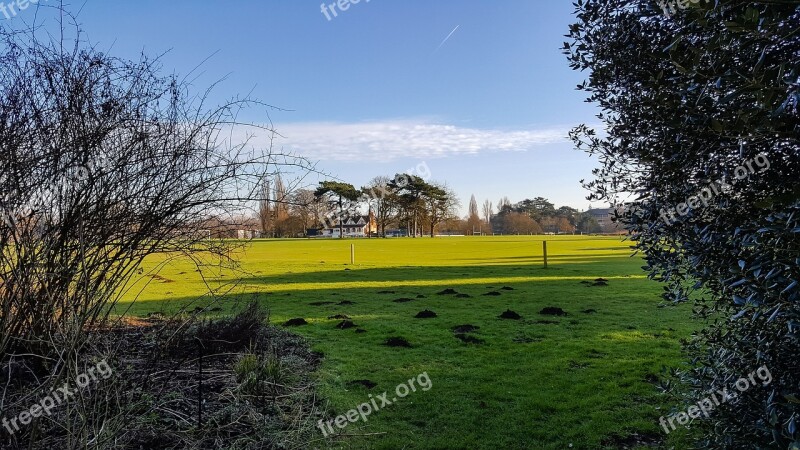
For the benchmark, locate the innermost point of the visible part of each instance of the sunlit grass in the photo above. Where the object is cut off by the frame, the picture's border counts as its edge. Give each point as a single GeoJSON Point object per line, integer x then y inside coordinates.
{"type": "Point", "coordinates": [539, 382]}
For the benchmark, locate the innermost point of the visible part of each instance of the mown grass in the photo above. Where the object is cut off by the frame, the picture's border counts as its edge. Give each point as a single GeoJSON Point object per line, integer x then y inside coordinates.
{"type": "Point", "coordinates": [585, 379]}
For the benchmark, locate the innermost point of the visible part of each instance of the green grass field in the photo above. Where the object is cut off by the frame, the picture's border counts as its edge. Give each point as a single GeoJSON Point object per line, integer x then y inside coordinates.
{"type": "Point", "coordinates": [540, 382]}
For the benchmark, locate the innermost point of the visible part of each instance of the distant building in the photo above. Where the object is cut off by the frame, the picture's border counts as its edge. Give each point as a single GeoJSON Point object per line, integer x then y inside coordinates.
{"type": "Point", "coordinates": [354, 226]}
{"type": "Point", "coordinates": [602, 216]}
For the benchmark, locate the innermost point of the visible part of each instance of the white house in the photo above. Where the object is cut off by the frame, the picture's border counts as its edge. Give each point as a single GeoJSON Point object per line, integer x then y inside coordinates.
{"type": "Point", "coordinates": [356, 226]}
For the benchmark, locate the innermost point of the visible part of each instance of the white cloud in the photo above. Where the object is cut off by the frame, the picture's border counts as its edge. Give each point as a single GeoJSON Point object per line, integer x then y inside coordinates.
{"type": "Point", "coordinates": [391, 140]}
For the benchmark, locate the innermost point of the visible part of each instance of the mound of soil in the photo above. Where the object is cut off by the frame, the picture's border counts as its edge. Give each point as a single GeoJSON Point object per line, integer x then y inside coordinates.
{"type": "Point", "coordinates": [296, 322]}
{"type": "Point", "coordinates": [402, 300]}
{"type": "Point", "coordinates": [320, 303]}
{"type": "Point", "coordinates": [427, 314]}
{"type": "Point", "coordinates": [589, 311]}
{"type": "Point", "coordinates": [420, 296]}
{"type": "Point", "coordinates": [552, 311]}
{"type": "Point", "coordinates": [447, 291]}
{"type": "Point", "coordinates": [465, 328]}
{"type": "Point", "coordinates": [339, 317]}
{"type": "Point", "coordinates": [469, 339]}
{"type": "Point", "coordinates": [369, 384]}
{"type": "Point", "coordinates": [586, 282]}
{"type": "Point", "coordinates": [346, 324]}
{"type": "Point", "coordinates": [599, 283]}
{"type": "Point", "coordinates": [506, 288]}
{"type": "Point", "coordinates": [509, 314]}
{"type": "Point", "coordinates": [492, 294]}
{"type": "Point", "coordinates": [397, 342]}
{"type": "Point", "coordinates": [463, 296]}
{"type": "Point", "coordinates": [600, 280]}
{"type": "Point", "coordinates": [345, 303]}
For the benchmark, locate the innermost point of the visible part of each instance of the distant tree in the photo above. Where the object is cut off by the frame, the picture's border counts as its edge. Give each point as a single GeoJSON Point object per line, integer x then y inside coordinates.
{"type": "Point", "coordinates": [564, 226]}
{"type": "Point", "coordinates": [410, 190]}
{"type": "Point", "coordinates": [487, 212]}
{"type": "Point", "coordinates": [382, 200]}
{"type": "Point", "coordinates": [588, 224]}
{"type": "Point", "coordinates": [265, 216]}
{"type": "Point", "coordinates": [504, 205]}
{"type": "Point", "coordinates": [303, 207]}
{"type": "Point", "coordinates": [538, 208]}
{"type": "Point", "coordinates": [473, 219]}
{"type": "Point", "coordinates": [519, 223]}
{"type": "Point", "coordinates": [339, 193]}
{"type": "Point", "coordinates": [440, 205]}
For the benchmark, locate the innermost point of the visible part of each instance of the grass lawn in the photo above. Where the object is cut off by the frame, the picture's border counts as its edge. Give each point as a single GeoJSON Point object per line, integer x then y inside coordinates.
{"type": "Point", "coordinates": [584, 379]}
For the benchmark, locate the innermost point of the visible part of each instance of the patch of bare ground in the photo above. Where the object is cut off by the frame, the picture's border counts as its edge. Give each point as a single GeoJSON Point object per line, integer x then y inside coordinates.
{"type": "Point", "coordinates": [232, 383]}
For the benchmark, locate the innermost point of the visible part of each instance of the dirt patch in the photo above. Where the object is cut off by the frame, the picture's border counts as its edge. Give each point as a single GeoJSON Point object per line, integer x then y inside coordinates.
{"type": "Point", "coordinates": [506, 288]}
{"type": "Point", "coordinates": [600, 280]}
{"type": "Point", "coordinates": [511, 315]}
{"type": "Point", "coordinates": [427, 314]}
{"type": "Point", "coordinates": [339, 317]}
{"type": "Point", "coordinates": [599, 283]}
{"type": "Point", "coordinates": [346, 325]}
{"type": "Point", "coordinates": [463, 296]}
{"type": "Point", "coordinates": [296, 322]}
{"type": "Point", "coordinates": [589, 311]}
{"type": "Point", "coordinates": [369, 384]}
{"type": "Point", "coordinates": [402, 300]}
{"type": "Point", "coordinates": [161, 279]}
{"type": "Point", "coordinates": [465, 328]}
{"type": "Point", "coordinates": [635, 440]}
{"type": "Point", "coordinates": [320, 303]}
{"type": "Point", "coordinates": [421, 296]}
{"type": "Point", "coordinates": [447, 291]}
{"type": "Point", "coordinates": [492, 294]}
{"type": "Point", "coordinates": [397, 342]}
{"type": "Point", "coordinates": [552, 311]}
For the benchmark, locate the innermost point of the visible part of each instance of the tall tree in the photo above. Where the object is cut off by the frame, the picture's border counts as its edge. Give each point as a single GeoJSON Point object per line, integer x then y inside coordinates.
{"type": "Point", "coordinates": [382, 200]}
{"type": "Point", "coordinates": [339, 193]}
{"type": "Point", "coordinates": [702, 111]}
{"type": "Point", "coordinates": [487, 212]}
{"type": "Point", "coordinates": [410, 190]}
{"type": "Point", "coordinates": [265, 213]}
{"type": "Point", "coordinates": [473, 219]}
{"type": "Point", "coordinates": [440, 205]}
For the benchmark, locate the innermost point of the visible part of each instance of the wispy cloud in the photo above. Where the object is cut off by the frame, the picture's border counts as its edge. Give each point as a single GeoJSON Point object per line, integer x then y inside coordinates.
{"type": "Point", "coordinates": [391, 140]}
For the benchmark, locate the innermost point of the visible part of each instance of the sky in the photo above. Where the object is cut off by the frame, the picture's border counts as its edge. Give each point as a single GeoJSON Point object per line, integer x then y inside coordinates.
{"type": "Point", "coordinates": [473, 93]}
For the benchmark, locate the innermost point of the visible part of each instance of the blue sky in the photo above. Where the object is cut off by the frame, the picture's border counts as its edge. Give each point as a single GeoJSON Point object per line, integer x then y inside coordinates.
{"type": "Point", "coordinates": [377, 90]}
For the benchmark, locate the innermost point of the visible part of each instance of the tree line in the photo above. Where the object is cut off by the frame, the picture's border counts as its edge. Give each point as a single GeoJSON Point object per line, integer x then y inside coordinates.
{"type": "Point", "coordinates": [409, 205]}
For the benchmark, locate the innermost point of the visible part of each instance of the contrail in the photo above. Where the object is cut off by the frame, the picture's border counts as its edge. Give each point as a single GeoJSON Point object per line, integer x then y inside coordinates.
{"type": "Point", "coordinates": [445, 39]}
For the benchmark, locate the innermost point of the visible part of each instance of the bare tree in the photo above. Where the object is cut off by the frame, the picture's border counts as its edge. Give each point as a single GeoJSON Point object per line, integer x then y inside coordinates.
{"type": "Point", "coordinates": [104, 163]}
{"type": "Point", "coordinates": [382, 200]}
{"type": "Point", "coordinates": [487, 212]}
{"type": "Point", "coordinates": [265, 215]}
